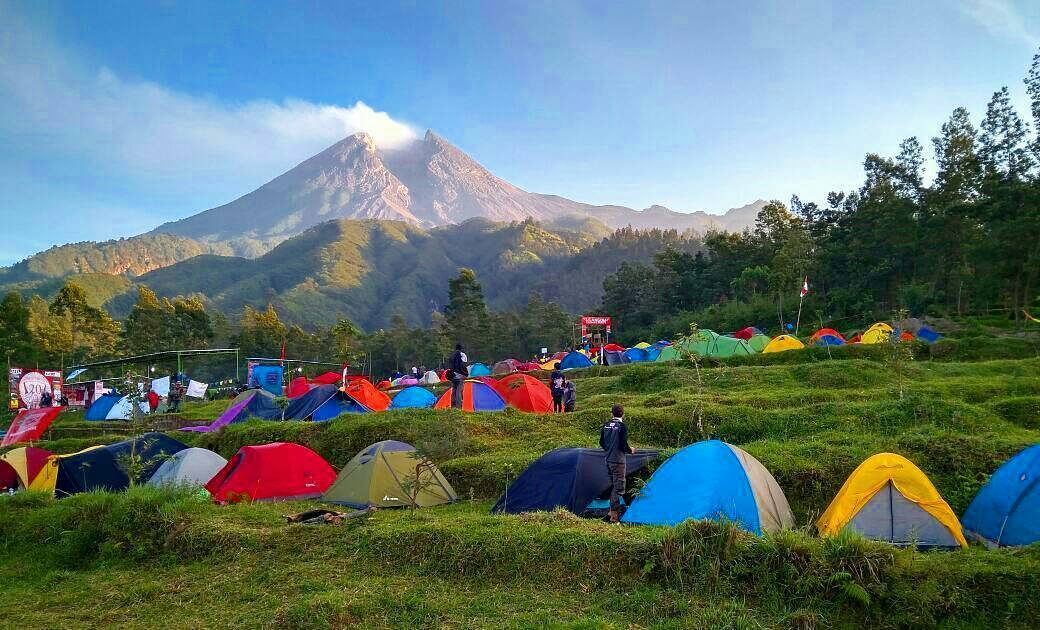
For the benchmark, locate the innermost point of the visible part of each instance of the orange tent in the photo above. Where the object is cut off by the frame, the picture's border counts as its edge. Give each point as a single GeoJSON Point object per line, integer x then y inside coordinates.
{"type": "Point", "coordinates": [366, 393]}
{"type": "Point", "coordinates": [525, 393]}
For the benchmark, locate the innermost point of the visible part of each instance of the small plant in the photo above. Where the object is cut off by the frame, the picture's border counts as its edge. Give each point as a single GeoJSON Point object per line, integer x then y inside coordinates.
{"type": "Point", "coordinates": [684, 345]}
{"type": "Point", "coordinates": [440, 441]}
{"type": "Point", "coordinates": [899, 356]}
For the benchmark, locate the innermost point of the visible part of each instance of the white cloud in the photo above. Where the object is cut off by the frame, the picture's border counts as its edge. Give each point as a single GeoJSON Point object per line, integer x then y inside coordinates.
{"type": "Point", "coordinates": [155, 134]}
{"type": "Point", "coordinates": [1001, 18]}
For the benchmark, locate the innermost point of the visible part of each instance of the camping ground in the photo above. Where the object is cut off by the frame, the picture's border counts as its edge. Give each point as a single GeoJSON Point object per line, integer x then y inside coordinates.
{"type": "Point", "coordinates": [958, 410]}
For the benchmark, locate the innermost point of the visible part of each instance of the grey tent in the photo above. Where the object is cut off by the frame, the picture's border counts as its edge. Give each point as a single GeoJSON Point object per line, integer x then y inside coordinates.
{"type": "Point", "coordinates": [190, 467]}
{"type": "Point", "coordinates": [891, 517]}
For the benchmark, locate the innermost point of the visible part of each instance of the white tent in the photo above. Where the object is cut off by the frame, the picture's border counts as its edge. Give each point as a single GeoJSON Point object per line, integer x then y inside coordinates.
{"type": "Point", "coordinates": [190, 467]}
{"type": "Point", "coordinates": [121, 410]}
{"type": "Point", "coordinates": [430, 378]}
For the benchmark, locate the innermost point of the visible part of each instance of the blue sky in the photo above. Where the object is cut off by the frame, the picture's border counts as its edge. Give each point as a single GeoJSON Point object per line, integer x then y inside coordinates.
{"type": "Point", "coordinates": [117, 116]}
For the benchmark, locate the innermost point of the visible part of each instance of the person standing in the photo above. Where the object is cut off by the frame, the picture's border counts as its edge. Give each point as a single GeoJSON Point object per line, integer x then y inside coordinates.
{"type": "Point", "coordinates": [153, 401]}
{"type": "Point", "coordinates": [556, 388]}
{"type": "Point", "coordinates": [613, 439]}
{"type": "Point", "coordinates": [570, 396]}
{"type": "Point", "coordinates": [459, 372]}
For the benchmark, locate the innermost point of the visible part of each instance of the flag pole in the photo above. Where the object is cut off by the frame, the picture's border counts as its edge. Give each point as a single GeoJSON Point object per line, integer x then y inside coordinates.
{"type": "Point", "coordinates": [801, 297]}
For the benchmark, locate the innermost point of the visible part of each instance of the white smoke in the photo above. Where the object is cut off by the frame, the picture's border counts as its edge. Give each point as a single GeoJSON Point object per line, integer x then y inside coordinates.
{"type": "Point", "coordinates": [152, 133]}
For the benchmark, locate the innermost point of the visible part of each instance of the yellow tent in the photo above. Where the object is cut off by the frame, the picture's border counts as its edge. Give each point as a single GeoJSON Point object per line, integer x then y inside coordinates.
{"type": "Point", "coordinates": [783, 343]}
{"type": "Point", "coordinates": [550, 365]}
{"type": "Point", "coordinates": [27, 463]}
{"type": "Point", "coordinates": [878, 333]}
{"type": "Point", "coordinates": [888, 498]}
{"type": "Point", "coordinates": [47, 478]}
{"type": "Point", "coordinates": [642, 345]}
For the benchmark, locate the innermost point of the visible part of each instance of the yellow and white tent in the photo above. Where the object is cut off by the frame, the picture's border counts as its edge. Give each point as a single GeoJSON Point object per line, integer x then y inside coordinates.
{"type": "Point", "coordinates": [878, 333]}
{"type": "Point", "coordinates": [888, 498]}
{"type": "Point", "coordinates": [783, 343]}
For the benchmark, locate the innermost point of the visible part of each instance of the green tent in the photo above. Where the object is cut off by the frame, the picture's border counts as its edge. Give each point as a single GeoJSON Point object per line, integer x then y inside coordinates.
{"type": "Point", "coordinates": [758, 343]}
{"type": "Point", "coordinates": [730, 347]}
{"type": "Point", "coordinates": [702, 345]}
{"type": "Point", "coordinates": [384, 474]}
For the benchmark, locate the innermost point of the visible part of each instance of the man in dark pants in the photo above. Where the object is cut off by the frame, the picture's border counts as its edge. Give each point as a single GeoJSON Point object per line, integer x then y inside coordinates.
{"type": "Point", "coordinates": [458, 372]}
{"type": "Point", "coordinates": [613, 439]}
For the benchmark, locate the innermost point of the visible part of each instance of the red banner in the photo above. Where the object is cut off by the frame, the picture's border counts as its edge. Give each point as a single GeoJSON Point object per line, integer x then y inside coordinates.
{"type": "Point", "coordinates": [29, 385]}
{"type": "Point", "coordinates": [29, 425]}
{"type": "Point", "coordinates": [593, 320]}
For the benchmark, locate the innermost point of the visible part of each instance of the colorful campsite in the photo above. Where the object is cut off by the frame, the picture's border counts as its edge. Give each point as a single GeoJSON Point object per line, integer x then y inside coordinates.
{"type": "Point", "coordinates": [864, 483]}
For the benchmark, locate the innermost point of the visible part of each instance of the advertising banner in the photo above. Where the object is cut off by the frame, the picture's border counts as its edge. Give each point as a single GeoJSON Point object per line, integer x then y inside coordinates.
{"type": "Point", "coordinates": [29, 385]}
{"type": "Point", "coordinates": [29, 425]}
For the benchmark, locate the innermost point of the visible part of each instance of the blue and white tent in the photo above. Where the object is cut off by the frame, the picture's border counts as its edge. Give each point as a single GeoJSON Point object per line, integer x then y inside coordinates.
{"type": "Point", "coordinates": [1006, 511]}
{"type": "Point", "coordinates": [712, 480]}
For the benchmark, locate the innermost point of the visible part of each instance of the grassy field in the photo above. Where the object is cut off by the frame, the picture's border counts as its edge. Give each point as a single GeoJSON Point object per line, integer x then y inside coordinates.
{"type": "Point", "coordinates": [145, 557]}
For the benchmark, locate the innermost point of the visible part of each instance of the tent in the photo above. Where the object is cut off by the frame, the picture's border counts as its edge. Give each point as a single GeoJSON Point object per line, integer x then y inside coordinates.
{"type": "Point", "coordinates": [279, 471]}
{"type": "Point", "coordinates": [575, 360]}
{"type": "Point", "coordinates": [8, 477]}
{"type": "Point", "coordinates": [926, 334]}
{"type": "Point", "coordinates": [559, 355]}
{"type": "Point", "coordinates": [1006, 511]}
{"type": "Point", "coordinates": [637, 355]}
{"type": "Point", "coordinates": [413, 398]}
{"type": "Point", "coordinates": [613, 347]}
{"type": "Point", "coordinates": [504, 367]}
{"type": "Point", "coordinates": [615, 357]}
{"type": "Point", "coordinates": [338, 404]}
{"type": "Point", "coordinates": [525, 393]}
{"type": "Point", "coordinates": [550, 365]}
{"type": "Point", "coordinates": [888, 498]}
{"type": "Point", "coordinates": [878, 333]}
{"type": "Point", "coordinates": [747, 333]}
{"type": "Point", "coordinates": [382, 475]}
{"type": "Point", "coordinates": [642, 345]}
{"type": "Point", "coordinates": [479, 369]}
{"type": "Point", "coordinates": [730, 347]}
{"type": "Point", "coordinates": [653, 353]}
{"type": "Point", "coordinates": [103, 467]}
{"type": "Point", "coordinates": [298, 387]}
{"type": "Point", "coordinates": [26, 462]}
{"type": "Point", "coordinates": [783, 343]}
{"type": "Point", "coordinates": [758, 343]}
{"type": "Point", "coordinates": [190, 467]}
{"type": "Point", "coordinates": [328, 378]}
{"type": "Point", "coordinates": [476, 396]}
{"type": "Point", "coordinates": [430, 378]}
{"type": "Point", "coordinates": [823, 332]}
{"type": "Point", "coordinates": [103, 404]}
{"type": "Point", "coordinates": [570, 478]}
{"type": "Point", "coordinates": [363, 391]}
{"type": "Point", "coordinates": [322, 403]}
{"type": "Point", "coordinates": [252, 403]}
{"type": "Point", "coordinates": [827, 340]}
{"type": "Point", "coordinates": [530, 366]}
{"type": "Point", "coordinates": [712, 480]}
{"type": "Point", "coordinates": [700, 345]}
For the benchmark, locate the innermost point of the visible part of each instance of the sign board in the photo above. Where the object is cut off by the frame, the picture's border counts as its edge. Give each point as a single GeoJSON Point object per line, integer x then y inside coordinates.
{"type": "Point", "coordinates": [594, 320]}
{"type": "Point", "coordinates": [29, 385]}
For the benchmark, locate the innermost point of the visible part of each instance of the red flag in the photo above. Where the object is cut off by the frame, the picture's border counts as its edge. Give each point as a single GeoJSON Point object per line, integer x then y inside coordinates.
{"type": "Point", "coordinates": [805, 287]}
{"type": "Point", "coordinates": [29, 425]}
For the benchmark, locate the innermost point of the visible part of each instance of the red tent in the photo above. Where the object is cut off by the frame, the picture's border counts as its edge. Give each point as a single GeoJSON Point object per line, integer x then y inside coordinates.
{"type": "Point", "coordinates": [385, 385]}
{"type": "Point", "coordinates": [29, 425]}
{"type": "Point", "coordinates": [525, 393]}
{"type": "Point", "coordinates": [856, 338]}
{"type": "Point", "coordinates": [298, 387]}
{"type": "Point", "coordinates": [272, 472]}
{"type": "Point", "coordinates": [559, 356]}
{"type": "Point", "coordinates": [8, 476]}
{"type": "Point", "coordinates": [827, 331]}
{"type": "Point", "coordinates": [367, 394]}
{"type": "Point", "coordinates": [613, 347]}
{"type": "Point", "coordinates": [328, 378]}
{"type": "Point", "coordinates": [747, 333]}
{"type": "Point", "coordinates": [905, 336]}
{"type": "Point", "coordinates": [528, 367]}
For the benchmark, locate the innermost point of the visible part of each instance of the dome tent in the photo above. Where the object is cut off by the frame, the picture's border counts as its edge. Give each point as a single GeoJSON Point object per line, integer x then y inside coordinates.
{"type": "Point", "coordinates": [783, 343]}
{"type": "Point", "coordinates": [479, 369]}
{"type": "Point", "coordinates": [725, 347]}
{"type": "Point", "coordinates": [507, 366]}
{"type": "Point", "coordinates": [758, 343]}
{"type": "Point", "coordinates": [414, 397]}
{"type": "Point", "coordinates": [1006, 511]}
{"type": "Point", "coordinates": [379, 476]}
{"type": "Point", "coordinates": [700, 345]}
{"type": "Point", "coordinates": [430, 378]}
{"type": "Point", "coordinates": [747, 333]}
{"type": "Point", "coordinates": [637, 355]}
{"type": "Point", "coordinates": [878, 333]}
{"type": "Point", "coordinates": [279, 471]}
{"type": "Point", "coordinates": [102, 467]}
{"type": "Point", "coordinates": [476, 396]}
{"type": "Point", "coordinates": [190, 467]}
{"type": "Point", "coordinates": [615, 357]}
{"type": "Point", "coordinates": [525, 393]}
{"type": "Point", "coordinates": [27, 462]}
{"type": "Point", "coordinates": [575, 360]}
{"type": "Point", "coordinates": [571, 478]}
{"type": "Point", "coordinates": [712, 480]}
{"type": "Point", "coordinates": [888, 498]}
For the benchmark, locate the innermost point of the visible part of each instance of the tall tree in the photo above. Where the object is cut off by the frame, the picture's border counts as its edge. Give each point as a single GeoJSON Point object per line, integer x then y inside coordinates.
{"type": "Point", "coordinates": [466, 314]}
{"type": "Point", "coordinates": [1004, 150]}
{"type": "Point", "coordinates": [16, 339]}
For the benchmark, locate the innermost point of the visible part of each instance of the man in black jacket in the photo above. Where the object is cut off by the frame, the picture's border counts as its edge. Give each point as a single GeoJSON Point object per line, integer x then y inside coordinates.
{"type": "Point", "coordinates": [458, 371]}
{"type": "Point", "coordinates": [613, 439]}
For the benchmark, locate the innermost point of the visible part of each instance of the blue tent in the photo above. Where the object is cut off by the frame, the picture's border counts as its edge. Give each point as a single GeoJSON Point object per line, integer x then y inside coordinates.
{"type": "Point", "coordinates": [928, 335]}
{"type": "Point", "coordinates": [479, 369]}
{"type": "Point", "coordinates": [828, 340]}
{"type": "Point", "coordinates": [324, 402]}
{"type": "Point", "coordinates": [571, 478]}
{"type": "Point", "coordinates": [99, 409]}
{"type": "Point", "coordinates": [615, 357]}
{"type": "Point", "coordinates": [653, 352]}
{"type": "Point", "coordinates": [712, 480]}
{"type": "Point", "coordinates": [268, 377]}
{"type": "Point", "coordinates": [1006, 511]}
{"type": "Point", "coordinates": [413, 397]}
{"type": "Point", "coordinates": [635, 355]}
{"type": "Point", "coordinates": [102, 467]}
{"type": "Point", "coordinates": [575, 360]}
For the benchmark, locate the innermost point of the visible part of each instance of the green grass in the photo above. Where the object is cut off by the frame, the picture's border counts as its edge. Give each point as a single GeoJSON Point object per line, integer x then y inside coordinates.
{"type": "Point", "coordinates": [158, 558]}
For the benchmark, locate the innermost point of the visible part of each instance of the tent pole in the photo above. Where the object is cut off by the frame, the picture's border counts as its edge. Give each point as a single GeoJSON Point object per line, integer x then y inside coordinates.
{"type": "Point", "coordinates": [798, 320]}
